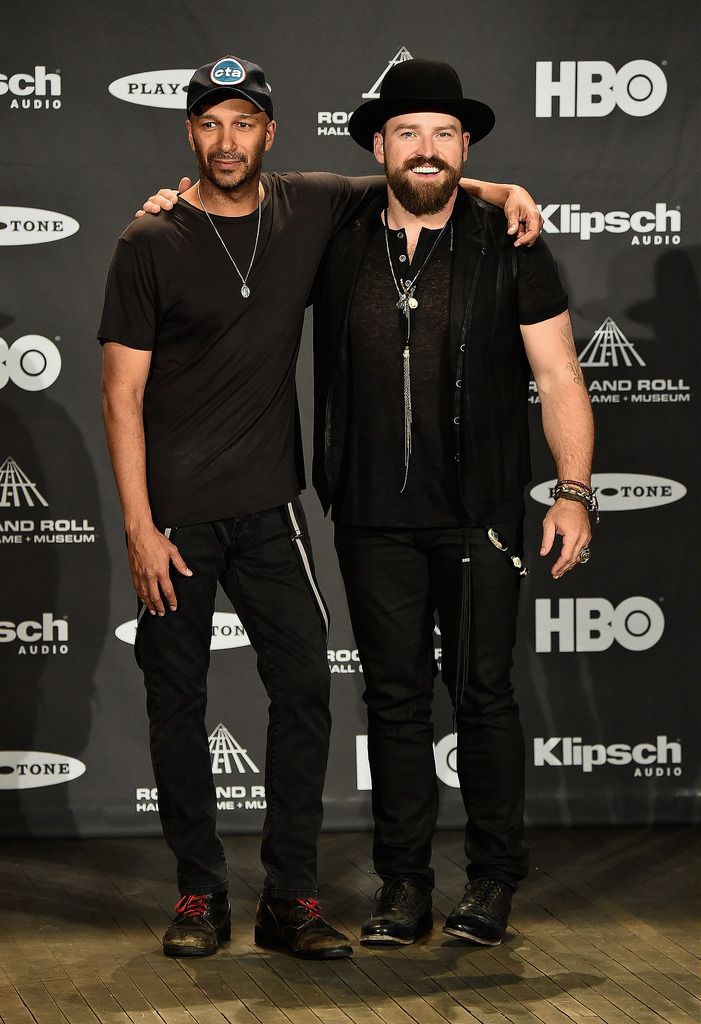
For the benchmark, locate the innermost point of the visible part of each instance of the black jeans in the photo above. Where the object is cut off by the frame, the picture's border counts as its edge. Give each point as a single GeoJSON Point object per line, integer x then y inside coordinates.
{"type": "Point", "coordinates": [395, 581]}
{"type": "Point", "coordinates": [264, 565]}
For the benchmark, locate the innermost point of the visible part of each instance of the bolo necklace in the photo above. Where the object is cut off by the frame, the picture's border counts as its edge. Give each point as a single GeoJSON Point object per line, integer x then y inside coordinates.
{"type": "Point", "coordinates": [245, 290]}
{"type": "Point", "coordinates": [406, 304]}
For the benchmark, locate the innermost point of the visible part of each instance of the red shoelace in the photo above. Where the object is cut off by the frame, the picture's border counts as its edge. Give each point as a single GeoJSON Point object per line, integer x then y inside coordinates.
{"type": "Point", "coordinates": [191, 906]}
{"type": "Point", "coordinates": [313, 907]}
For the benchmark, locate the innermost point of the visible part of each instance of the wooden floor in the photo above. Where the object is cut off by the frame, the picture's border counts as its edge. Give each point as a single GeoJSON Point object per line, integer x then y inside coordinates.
{"type": "Point", "coordinates": [605, 929]}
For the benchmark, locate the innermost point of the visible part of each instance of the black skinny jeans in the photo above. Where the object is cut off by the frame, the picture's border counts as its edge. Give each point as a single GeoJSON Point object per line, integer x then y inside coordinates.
{"type": "Point", "coordinates": [265, 567]}
{"type": "Point", "coordinates": [395, 580]}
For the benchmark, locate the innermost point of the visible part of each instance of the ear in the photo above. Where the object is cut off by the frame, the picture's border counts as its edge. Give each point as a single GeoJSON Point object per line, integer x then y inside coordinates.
{"type": "Point", "coordinates": [465, 144]}
{"type": "Point", "coordinates": [188, 125]}
{"type": "Point", "coordinates": [378, 147]}
{"type": "Point", "coordinates": [270, 129]}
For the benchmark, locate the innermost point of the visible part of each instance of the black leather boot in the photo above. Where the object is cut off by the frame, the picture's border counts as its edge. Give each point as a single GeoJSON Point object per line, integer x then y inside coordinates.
{"type": "Point", "coordinates": [482, 914]}
{"type": "Point", "coordinates": [402, 914]}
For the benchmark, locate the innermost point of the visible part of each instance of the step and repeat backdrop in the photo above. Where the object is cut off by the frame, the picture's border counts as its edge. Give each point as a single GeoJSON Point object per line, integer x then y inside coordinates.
{"type": "Point", "coordinates": [597, 113]}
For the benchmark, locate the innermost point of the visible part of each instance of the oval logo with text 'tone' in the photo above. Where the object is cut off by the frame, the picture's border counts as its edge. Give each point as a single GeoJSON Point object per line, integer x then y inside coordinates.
{"type": "Point", "coordinates": [227, 632]}
{"type": "Point", "coordinates": [620, 492]}
{"type": "Point", "coordinates": [32, 769]}
{"type": "Point", "coordinates": [23, 225]}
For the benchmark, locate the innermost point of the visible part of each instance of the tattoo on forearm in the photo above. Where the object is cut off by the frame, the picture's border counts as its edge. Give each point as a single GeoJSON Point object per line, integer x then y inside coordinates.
{"type": "Point", "coordinates": [575, 371]}
{"type": "Point", "coordinates": [573, 364]}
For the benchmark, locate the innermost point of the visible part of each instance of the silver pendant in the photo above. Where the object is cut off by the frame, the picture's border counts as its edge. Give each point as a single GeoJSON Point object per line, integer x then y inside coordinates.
{"type": "Point", "coordinates": [245, 291]}
{"type": "Point", "coordinates": [406, 303]}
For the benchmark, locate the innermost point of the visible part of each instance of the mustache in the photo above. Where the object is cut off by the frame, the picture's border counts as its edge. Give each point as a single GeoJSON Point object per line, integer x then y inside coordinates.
{"type": "Point", "coordinates": [239, 158]}
{"type": "Point", "coordinates": [421, 161]}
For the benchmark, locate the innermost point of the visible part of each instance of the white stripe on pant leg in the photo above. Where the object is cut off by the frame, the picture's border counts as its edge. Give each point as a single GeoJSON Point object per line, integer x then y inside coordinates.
{"type": "Point", "coordinates": [307, 567]}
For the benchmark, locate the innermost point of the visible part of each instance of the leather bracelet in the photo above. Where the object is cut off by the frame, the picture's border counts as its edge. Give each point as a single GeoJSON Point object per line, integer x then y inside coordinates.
{"type": "Point", "coordinates": [571, 496]}
{"type": "Point", "coordinates": [589, 500]}
{"type": "Point", "coordinates": [575, 483]}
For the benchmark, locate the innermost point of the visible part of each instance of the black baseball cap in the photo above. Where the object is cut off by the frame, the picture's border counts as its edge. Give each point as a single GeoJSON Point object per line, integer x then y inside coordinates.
{"type": "Point", "coordinates": [230, 76]}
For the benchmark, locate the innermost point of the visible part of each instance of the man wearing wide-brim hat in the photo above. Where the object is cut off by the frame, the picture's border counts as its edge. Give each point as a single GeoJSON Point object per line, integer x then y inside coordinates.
{"type": "Point", "coordinates": [426, 320]}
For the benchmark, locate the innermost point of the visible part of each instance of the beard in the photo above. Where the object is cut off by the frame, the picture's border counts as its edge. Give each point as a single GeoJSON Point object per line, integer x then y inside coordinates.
{"type": "Point", "coordinates": [244, 176]}
{"type": "Point", "coordinates": [418, 196]}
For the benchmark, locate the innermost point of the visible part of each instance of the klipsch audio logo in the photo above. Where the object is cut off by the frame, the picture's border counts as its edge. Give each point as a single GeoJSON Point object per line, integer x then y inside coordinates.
{"type": "Point", "coordinates": [48, 635]}
{"type": "Point", "coordinates": [335, 122]}
{"type": "Point", "coordinates": [19, 491]}
{"type": "Point", "coordinates": [166, 88]}
{"type": "Point", "coordinates": [593, 88]}
{"type": "Point", "coordinates": [32, 769]}
{"type": "Point", "coordinates": [228, 758]}
{"type": "Point", "coordinates": [445, 755]}
{"type": "Point", "coordinates": [619, 373]}
{"type": "Point", "coordinates": [622, 492]}
{"type": "Point", "coordinates": [23, 225]}
{"type": "Point", "coordinates": [661, 226]}
{"type": "Point", "coordinates": [652, 759]}
{"type": "Point", "coordinates": [227, 632]}
{"type": "Point", "coordinates": [591, 624]}
{"type": "Point", "coordinates": [36, 90]}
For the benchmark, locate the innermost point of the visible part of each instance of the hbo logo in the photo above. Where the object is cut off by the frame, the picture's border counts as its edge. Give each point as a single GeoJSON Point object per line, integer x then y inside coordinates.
{"type": "Point", "coordinates": [593, 88]}
{"type": "Point", "coordinates": [33, 363]}
{"type": "Point", "coordinates": [592, 624]}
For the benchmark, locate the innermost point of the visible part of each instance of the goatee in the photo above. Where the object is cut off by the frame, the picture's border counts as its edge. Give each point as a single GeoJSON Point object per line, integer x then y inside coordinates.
{"type": "Point", "coordinates": [418, 197]}
{"type": "Point", "coordinates": [247, 169]}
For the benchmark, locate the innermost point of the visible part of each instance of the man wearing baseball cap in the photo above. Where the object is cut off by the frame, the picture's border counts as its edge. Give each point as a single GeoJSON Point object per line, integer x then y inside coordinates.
{"type": "Point", "coordinates": [426, 320]}
{"type": "Point", "coordinates": [200, 332]}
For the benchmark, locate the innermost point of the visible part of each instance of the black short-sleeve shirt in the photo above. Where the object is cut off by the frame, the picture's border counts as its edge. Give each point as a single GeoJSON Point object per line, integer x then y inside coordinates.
{"type": "Point", "coordinates": [219, 403]}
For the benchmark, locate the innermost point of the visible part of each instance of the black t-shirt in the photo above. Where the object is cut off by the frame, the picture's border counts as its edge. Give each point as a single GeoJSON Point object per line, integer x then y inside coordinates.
{"type": "Point", "coordinates": [370, 492]}
{"type": "Point", "coordinates": [219, 404]}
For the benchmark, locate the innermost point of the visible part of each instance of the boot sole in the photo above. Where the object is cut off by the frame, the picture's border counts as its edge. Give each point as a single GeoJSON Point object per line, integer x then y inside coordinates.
{"type": "Point", "coordinates": [385, 940]}
{"type": "Point", "coordinates": [270, 940]}
{"type": "Point", "coordinates": [469, 937]}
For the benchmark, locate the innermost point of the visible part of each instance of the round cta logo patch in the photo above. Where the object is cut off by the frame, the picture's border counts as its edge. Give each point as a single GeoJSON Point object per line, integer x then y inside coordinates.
{"type": "Point", "coordinates": [228, 71]}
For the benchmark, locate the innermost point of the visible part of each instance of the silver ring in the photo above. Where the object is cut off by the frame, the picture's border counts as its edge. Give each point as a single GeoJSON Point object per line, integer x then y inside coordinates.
{"type": "Point", "coordinates": [584, 556]}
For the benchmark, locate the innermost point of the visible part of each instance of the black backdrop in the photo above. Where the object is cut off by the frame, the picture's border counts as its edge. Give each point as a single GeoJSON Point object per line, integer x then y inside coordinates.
{"type": "Point", "coordinates": [597, 113]}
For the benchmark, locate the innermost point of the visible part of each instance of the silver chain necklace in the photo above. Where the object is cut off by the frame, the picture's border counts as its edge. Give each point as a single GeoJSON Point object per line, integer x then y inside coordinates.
{"type": "Point", "coordinates": [245, 290]}
{"type": "Point", "coordinates": [407, 287]}
{"type": "Point", "coordinates": [407, 303]}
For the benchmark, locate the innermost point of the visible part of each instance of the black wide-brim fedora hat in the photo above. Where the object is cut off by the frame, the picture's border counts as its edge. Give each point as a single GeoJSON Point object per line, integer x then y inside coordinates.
{"type": "Point", "coordinates": [420, 85]}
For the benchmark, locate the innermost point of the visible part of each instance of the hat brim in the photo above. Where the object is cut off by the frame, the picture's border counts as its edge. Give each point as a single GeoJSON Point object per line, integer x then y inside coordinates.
{"type": "Point", "coordinates": [475, 117]}
{"type": "Point", "coordinates": [224, 92]}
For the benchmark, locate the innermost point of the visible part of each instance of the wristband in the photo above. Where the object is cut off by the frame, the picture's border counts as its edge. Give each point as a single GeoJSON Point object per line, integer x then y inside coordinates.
{"type": "Point", "coordinates": [579, 492]}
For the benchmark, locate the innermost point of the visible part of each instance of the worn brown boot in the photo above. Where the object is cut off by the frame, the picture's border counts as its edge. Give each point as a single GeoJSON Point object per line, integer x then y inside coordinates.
{"type": "Point", "coordinates": [203, 922]}
{"type": "Point", "coordinates": [296, 925]}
